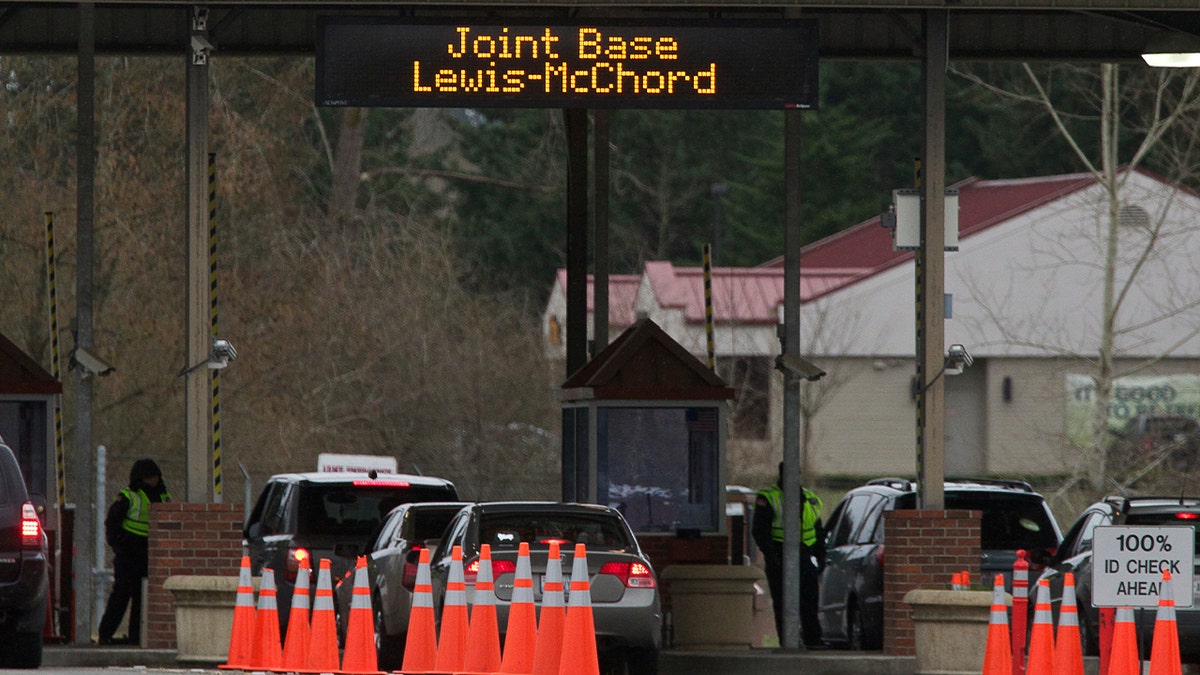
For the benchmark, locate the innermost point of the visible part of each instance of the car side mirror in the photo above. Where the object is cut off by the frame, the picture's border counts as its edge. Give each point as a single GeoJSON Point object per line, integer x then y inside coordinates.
{"type": "Point", "coordinates": [252, 530]}
{"type": "Point", "coordinates": [1041, 556]}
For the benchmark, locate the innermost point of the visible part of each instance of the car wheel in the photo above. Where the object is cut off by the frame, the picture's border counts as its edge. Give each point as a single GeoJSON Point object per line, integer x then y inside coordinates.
{"type": "Point", "coordinates": [389, 649]}
{"type": "Point", "coordinates": [641, 661]}
{"type": "Point", "coordinates": [25, 650]}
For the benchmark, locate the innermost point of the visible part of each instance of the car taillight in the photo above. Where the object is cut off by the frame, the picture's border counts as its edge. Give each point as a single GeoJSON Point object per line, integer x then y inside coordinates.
{"type": "Point", "coordinates": [31, 527]}
{"type": "Point", "coordinates": [879, 555]}
{"type": "Point", "coordinates": [632, 574]}
{"type": "Point", "coordinates": [295, 555]}
{"type": "Point", "coordinates": [471, 571]}
{"type": "Point", "coordinates": [1187, 515]}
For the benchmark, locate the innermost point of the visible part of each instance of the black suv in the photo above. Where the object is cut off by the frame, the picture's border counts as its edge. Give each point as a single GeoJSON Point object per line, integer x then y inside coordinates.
{"type": "Point", "coordinates": [851, 600]}
{"type": "Point", "coordinates": [326, 515]}
{"type": "Point", "coordinates": [23, 569]}
{"type": "Point", "coordinates": [1075, 556]}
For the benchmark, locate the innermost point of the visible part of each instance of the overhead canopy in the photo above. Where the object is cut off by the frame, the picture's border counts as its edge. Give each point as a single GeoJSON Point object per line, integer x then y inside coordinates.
{"type": "Point", "coordinates": [20, 374]}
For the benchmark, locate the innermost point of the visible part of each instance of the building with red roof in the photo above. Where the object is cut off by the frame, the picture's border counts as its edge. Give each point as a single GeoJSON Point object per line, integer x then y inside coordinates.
{"type": "Point", "coordinates": [1024, 296]}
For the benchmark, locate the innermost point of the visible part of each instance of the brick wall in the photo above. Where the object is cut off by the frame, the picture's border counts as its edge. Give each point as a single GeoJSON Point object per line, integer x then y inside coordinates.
{"type": "Point", "coordinates": [922, 550]}
{"type": "Point", "coordinates": [202, 539]}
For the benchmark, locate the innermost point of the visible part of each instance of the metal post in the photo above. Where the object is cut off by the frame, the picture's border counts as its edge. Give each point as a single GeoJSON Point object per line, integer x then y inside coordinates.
{"type": "Point", "coordinates": [931, 322]}
{"type": "Point", "coordinates": [575, 120]}
{"type": "Point", "coordinates": [102, 574]}
{"type": "Point", "coordinates": [198, 394]}
{"type": "Point", "coordinates": [600, 178]}
{"type": "Point", "coordinates": [85, 170]}
{"type": "Point", "coordinates": [791, 384]}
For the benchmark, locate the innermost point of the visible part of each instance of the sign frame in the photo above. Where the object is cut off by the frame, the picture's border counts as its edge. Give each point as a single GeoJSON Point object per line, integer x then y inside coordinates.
{"type": "Point", "coordinates": [1128, 559]}
{"type": "Point", "coordinates": [610, 64]}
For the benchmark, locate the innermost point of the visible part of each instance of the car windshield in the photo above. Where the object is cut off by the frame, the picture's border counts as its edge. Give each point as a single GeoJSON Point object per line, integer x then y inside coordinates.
{"type": "Point", "coordinates": [1183, 518]}
{"type": "Point", "coordinates": [356, 510]}
{"type": "Point", "coordinates": [1009, 521]}
{"type": "Point", "coordinates": [539, 530]}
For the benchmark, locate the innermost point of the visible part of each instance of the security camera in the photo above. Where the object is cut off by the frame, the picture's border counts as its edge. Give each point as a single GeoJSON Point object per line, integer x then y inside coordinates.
{"type": "Point", "coordinates": [957, 359]}
{"type": "Point", "coordinates": [798, 366]}
{"type": "Point", "coordinates": [201, 43]}
{"type": "Point", "coordinates": [90, 363]}
{"type": "Point", "coordinates": [222, 353]}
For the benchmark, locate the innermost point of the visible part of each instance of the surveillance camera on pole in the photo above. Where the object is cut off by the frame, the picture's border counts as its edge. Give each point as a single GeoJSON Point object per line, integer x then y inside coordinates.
{"type": "Point", "coordinates": [222, 353]}
{"type": "Point", "coordinates": [89, 363]}
{"type": "Point", "coordinates": [957, 359]}
{"type": "Point", "coordinates": [798, 366]}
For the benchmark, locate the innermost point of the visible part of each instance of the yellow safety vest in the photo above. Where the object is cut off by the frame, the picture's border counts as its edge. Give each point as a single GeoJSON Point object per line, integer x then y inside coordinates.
{"type": "Point", "coordinates": [137, 516]}
{"type": "Point", "coordinates": [809, 514]}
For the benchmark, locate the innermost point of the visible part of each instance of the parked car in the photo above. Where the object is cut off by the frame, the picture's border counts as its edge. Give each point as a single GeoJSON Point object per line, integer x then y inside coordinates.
{"type": "Point", "coordinates": [1173, 439]}
{"type": "Point", "coordinates": [24, 569]}
{"type": "Point", "coordinates": [626, 607]}
{"type": "Point", "coordinates": [392, 553]}
{"type": "Point", "coordinates": [326, 515]}
{"type": "Point", "coordinates": [1075, 556]}
{"type": "Point", "coordinates": [851, 598]}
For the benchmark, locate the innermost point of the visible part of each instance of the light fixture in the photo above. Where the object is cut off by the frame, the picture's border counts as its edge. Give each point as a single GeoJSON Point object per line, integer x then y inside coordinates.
{"type": "Point", "coordinates": [1172, 49]}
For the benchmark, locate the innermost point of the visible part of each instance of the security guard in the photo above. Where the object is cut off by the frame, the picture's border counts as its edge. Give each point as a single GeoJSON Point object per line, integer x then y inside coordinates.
{"type": "Point", "coordinates": [767, 529]}
{"type": "Point", "coordinates": [127, 529]}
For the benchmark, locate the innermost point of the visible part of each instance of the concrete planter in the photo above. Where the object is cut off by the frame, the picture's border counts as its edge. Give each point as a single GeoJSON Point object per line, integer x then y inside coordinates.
{"type": "Point", "coordinates": [712, 606]}
{"type": "Point", "coordinates": [203, 616]}
{"type": "Point", "coordinates": [951, 629]}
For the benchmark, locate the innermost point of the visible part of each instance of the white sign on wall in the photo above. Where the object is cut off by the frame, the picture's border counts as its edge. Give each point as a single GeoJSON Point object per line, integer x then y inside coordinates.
{"type": "Point", "coordinates": [1128, 564]}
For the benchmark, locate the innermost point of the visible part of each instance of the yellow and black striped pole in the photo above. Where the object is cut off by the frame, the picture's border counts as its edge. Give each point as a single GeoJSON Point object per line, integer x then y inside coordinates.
{"type": "Point", "coordinates": [708, 308]}
{"type": "Point", "coordinates": [212, 298]}
{"type": "Point", "coordinates": [60, 475]}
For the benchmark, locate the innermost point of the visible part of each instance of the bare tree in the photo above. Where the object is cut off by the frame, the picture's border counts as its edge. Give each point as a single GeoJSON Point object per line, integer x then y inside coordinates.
{"type": "Point", "coordinates": [1150, 118]}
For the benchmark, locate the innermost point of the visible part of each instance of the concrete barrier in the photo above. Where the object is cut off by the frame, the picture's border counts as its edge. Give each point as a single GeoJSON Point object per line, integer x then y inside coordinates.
{"type": "Point", "coordinates": [712, 606]}
{"type": "Point", "coordinates": [951, 630]}
{"type": "Point", "coordinates": [203, 616]}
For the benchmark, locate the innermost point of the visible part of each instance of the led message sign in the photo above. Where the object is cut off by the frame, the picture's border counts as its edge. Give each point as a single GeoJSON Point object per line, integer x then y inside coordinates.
{"type": "Point", "coordinates": [727, 64]}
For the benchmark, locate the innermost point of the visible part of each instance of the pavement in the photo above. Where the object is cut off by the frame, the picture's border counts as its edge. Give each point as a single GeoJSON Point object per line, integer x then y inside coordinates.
{"type": "Point", "coordinates": [672, 662]}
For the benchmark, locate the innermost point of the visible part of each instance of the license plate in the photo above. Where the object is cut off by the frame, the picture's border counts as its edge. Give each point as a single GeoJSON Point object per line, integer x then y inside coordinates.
{"type": "Point", "coordinates": [566, 585]}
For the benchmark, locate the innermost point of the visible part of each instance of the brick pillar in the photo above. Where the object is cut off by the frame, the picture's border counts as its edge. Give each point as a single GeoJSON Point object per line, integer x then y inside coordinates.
{"type": "Point", "coordinates": [922, 550]}
{"type": "Point", "coordinates": [187, 539]}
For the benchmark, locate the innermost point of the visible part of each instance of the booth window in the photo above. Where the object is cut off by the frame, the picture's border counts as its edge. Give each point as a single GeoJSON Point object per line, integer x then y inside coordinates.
{"type": "Point", "coordinates": [660, 466]}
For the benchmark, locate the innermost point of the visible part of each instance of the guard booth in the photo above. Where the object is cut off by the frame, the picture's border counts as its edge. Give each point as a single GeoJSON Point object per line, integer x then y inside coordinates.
{"type": "Point", "coordinates": [644, 427]}
{"type": "Point", "coordinates": [28, 395]}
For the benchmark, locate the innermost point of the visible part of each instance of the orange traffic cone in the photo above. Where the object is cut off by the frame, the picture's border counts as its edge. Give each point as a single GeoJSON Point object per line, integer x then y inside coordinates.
{"type": "Point", "coordinates": [520, 637]}
{"type": "Point", "coordinates": [483, 634]}
{"type": "Point", "coordinates": [1123, 660]}
{"type": "Point", "coordinates": [241, 638]}
{"type": "Point", "coordinates": [548, 650]}
{"type": "Point", "coordinates": [1164, 652]}
{"type": "Point", "coordinates": [420, 646]}
{"type": "Point", "coordinates": [1041, 640]}
{"type": "Point", "coordinates": [268, 648]}
{"type": "Point", "coordinates": [956, 583]}
{"type": "Point", "coordinates": [579, 655]}
{"type": "Point", "coordinates": [452, 640]}
{"type": "Point", "coordinates": [358, 657]}
{"type": "Point", "coordinates": [295, 645]}
{"type": "Point", "coordinates": [322, 646]}
{"type": "Point", "coordinates": [1068, 648]}
{"type": "Point", "coordinates": [997, 656]}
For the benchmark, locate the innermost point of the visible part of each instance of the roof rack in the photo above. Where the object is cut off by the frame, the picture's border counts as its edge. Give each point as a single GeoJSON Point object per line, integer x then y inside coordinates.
{"type": "Point", "coordinates": [892, 482]}
{"type": "Point", "coordinates": [1013, 483]}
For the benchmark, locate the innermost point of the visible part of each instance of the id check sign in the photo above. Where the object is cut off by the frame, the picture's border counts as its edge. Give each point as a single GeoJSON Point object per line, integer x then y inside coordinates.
{"type": "Point", "coordinates": [1128, 564]}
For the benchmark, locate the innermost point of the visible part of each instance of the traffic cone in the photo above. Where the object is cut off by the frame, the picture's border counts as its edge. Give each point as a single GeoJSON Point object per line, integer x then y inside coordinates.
{"type": "Point", "coordinates": [268, 648]}
{"type": "Point", "coordinates": [579, 655]}
{"type": "Point", "coordinates": [956, 583]}
{"type": "Point", "coordinates": [1124, 657]}
{"type": "Point", "coordinates": [1041, 640]}
{"type": "Point", "coordinates": [241, 638]}
{"type": "Point", "coordinates": [547, 652]}
{"type": "Point", "coordinates": [322, 646]}
{"type": "Point", "coordinates": [420, 646]}
{"type": "Point", "coordinates": [1020, 610]}
{"type": "Point", "coordinates": [358, 655]}
{"type": "Point", "coordinates": [1068, 649]}
{"type": "Point", "coordinates": [1164, 652]}
{"type": "Point", "coordinates": [483, 633]}
{"type": "Point", "coordinates": [520, 636]}
{"type": "Point", "coordinates": [997, 656]}
{"type": "Point", "coordinates": [295, 645]}
{"type": "Point", "coordinates": [452, 640]}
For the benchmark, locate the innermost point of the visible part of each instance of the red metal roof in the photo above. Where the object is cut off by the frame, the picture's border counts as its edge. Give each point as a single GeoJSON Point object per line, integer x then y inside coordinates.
{"type": "Point", "coordinates": [753, 295]}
